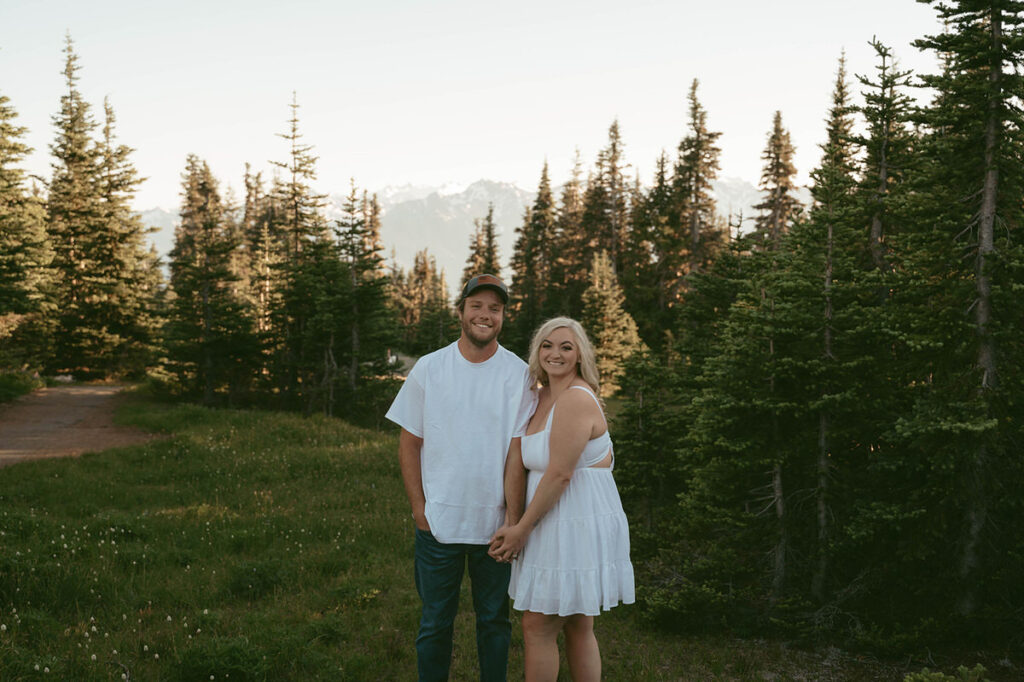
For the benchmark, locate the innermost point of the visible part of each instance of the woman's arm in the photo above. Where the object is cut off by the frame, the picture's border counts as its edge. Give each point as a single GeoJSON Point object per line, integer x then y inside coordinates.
{"type": "Point", "coordinates": [570, 430]}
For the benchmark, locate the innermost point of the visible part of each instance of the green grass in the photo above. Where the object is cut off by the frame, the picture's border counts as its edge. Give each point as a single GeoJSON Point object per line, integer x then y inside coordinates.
{"type": "Point", "coordinates": [261, 546]}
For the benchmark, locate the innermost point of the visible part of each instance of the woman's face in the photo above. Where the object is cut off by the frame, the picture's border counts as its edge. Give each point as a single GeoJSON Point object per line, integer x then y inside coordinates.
{"type": "Point", "coordinates": [559, 353]}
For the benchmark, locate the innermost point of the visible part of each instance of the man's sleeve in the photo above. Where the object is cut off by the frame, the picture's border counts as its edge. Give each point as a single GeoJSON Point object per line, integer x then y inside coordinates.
{"type": "Point", "coordinates": [407, 408]}
{"type": "Point", "coordinates": [527, 404]}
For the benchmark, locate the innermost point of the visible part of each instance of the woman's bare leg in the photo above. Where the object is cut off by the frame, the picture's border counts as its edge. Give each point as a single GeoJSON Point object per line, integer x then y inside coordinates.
{"type": "Point", "coordinates": [540, 638]}
{"type": "Point", "coordinates": [581, 649]}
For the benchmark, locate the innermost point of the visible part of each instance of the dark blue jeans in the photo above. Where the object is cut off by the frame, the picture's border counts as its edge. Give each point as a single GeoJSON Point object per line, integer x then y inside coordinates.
{"type": "Point", "coordinates": [439, 570]}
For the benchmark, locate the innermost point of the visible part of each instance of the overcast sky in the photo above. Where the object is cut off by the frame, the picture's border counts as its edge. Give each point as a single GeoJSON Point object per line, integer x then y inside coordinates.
{"type": "Point", "coordinates": [449, 91]}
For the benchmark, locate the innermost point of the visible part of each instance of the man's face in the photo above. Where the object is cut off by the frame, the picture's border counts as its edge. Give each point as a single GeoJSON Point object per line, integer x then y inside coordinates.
{"type": "Point", "coordinates": [481, 317]}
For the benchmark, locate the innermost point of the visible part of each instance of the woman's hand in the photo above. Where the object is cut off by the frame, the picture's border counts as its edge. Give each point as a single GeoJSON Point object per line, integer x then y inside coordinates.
{"type": "Point", "coordinates": [507, 542]}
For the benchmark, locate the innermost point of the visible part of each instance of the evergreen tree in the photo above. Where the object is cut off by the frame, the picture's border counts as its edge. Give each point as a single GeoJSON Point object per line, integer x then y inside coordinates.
{"type": "Point", "coordinates": [26, 277]}
{"type": "Point", "coordinates": [571, 264]}
{"type": "Point", "coordinates": [296, 226]}
{"type": "Point", "coordinates": [136, 267]}
{"type": "Point", "coordinates": [532, 264]}
{"type": "Point", "coordinates": [962, 257]}
{"type": "Point", "coordinates": [367, 330]}
{"type": "Point", "coordinates": [605, 217]}
{"type": "Point", "coordinates": [611, 329]}
{"type": "Point", "coordinates": [778, 206]}
{"type": "Point", "coordinates": [85, 250]}
{"type": "Point", "coordinates": [888, 146]}
{"type": "Point", "coordinates": [262, 254]}
{"type": "Point", "coordinates": [827, 249]}
{"type": "Point", "coordinates": [425, 315]}
{"type": "Point", "coordinates": [483, 249]}
{"type": "Point", "coordinates": [646, 279]}
{"type": "Point", "coordinates": [694, 235]}
{"type": "Point", "coordinates": [211, 340]}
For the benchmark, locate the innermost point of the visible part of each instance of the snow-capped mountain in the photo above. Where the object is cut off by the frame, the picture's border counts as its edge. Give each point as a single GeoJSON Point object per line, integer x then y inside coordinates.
{"type": "Point", "coordinates": [442, 222]}
{"type": "Point", "coordinates": [440, 218]}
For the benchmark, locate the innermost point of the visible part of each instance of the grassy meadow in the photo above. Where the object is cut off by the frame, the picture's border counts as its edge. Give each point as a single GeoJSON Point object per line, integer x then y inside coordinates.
{"type": "Point", "coordinates": [260, 546]}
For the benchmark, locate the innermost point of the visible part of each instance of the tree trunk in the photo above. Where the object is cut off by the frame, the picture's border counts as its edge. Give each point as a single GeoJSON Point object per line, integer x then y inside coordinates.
{"type": "Point", "coordinates": [820, 578]}
{"type": "Point", "coordinates": [782, 546]}
{"type": "Point", "coordinates": [977, 493]}
{"type": "Point", "coordinates": [877, 251]}
{"type": "Point", "coordinates": [778, 492]}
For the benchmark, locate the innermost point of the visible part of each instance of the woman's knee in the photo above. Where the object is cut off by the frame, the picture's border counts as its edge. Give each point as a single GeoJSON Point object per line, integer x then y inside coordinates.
{"type": "Point", "coordinates": [579, 626]}
{"type": "Point", "coordinates": [540, 625]}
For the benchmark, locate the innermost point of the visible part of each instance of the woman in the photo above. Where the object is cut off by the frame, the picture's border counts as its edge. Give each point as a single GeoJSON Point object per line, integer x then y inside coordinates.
{"type": "Point", "coordinates": [570, 550]}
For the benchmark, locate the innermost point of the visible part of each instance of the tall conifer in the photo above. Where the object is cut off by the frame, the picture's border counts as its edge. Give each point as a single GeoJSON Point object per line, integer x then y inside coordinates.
{"type": "Point", "coordinates": [532, 263]}
{"type": "Point", "coordinates": [210, 337]}
{"type": "Point", "coordinates": [612, 330]}
{"type": "Point", "coordinates": [778, 205]}
{"type": "Point", "coordinates": [26, 277]}
{"type": "Point", "coordinates": [85, 252]}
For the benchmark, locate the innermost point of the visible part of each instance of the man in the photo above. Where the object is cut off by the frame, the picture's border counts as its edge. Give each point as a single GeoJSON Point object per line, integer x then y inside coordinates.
{"type": "Point", "coordinates": [462, 409]}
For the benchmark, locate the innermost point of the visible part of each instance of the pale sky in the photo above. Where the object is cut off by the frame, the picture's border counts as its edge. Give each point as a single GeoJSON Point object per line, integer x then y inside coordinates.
{"type": "Point", "coordinates": [449, 91]}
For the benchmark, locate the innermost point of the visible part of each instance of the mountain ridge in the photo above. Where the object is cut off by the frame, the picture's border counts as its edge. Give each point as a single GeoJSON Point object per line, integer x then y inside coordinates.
{"type": "Point", "coordinates": [441, 218]}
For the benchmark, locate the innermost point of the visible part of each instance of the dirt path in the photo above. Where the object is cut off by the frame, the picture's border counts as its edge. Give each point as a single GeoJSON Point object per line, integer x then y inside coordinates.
{"type": "Point", "coordinates": [63, 421]}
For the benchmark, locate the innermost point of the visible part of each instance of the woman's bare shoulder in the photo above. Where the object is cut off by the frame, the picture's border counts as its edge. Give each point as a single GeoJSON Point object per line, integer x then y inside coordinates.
{"type": "Point", "coordinates": [577, 404]}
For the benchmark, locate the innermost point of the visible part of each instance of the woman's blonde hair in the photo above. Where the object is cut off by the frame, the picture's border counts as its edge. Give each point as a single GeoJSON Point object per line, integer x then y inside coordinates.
{"type": "Point", "coordinates": [587, 365]}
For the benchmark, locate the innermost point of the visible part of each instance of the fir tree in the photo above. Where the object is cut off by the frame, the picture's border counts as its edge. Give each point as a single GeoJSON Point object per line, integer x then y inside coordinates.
{"type": "Point", "coordinates": [887, 145]}
{"type": "Point", "coordinates": [85, 251]}
{"type": "Point", "coordinates": [135, 268]}
{"type": "Point", "coordinates": [646, 281]}
{"type": "Point", "coordinates": [532, 264]}
{"type": "Point", "coordinates": [26, 277]}
{"type": "Point", "coordinates": [611, 329]}
{"type": "Point", "coordinates": [605, 217]}
{"type": "Point", "coordinates": [483, 249]}
{"type": "Point", "coordinates": [571, 264]}
{"type": "Point", "coordinates": [778, 206]}
{"type": "Point", "coordinates": [965, 245]}
{"type": "Point", "coordinates": [691, 247]}
{"type": "Point", "coordinates": [367, 329]}
{"type": "Point", "coordinates": [296, 225]}
{"type": "Point", "coordinates": [211, 340]}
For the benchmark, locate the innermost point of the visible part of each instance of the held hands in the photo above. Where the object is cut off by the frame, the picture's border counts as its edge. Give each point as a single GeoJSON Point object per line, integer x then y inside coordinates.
{"type": "Point", "coordinates": [507, 542]}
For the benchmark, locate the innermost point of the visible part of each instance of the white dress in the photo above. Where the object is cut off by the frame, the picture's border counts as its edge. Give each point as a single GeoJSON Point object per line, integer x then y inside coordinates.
{"type": "Point", "coordinates": [576, 560]}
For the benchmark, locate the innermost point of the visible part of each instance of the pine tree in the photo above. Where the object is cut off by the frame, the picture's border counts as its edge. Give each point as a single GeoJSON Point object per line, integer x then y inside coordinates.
{"type": "Point", "coordinates": [611, 329]}
{"type": "Point", "coordinates": [605, 217]}
{"type": "Point", "coordinates": [135, 270]}
{"type": "Point", "coordinates": [827, 249]}
{"type": "Point", "coordinates": [532, 264]}
{"type": "Point", "coordinates": [646, 279]}
{"type": "Point", "coordinates": [888, 145]}
{"type": "Point", "coordinates": [779, 206]}
{"type": "Point", "coordinates": [483, 249]}
{"type": "Point", "coordinates": [296, 226]}
{"type": "Point", "coordinates": [367, 328]}
{"type": "Point", "coordinates": [694, 216]}
{"type": "Point", "coordinates": [964, 250]}
{"type": "Point", "coordinates": [210, 338]}
{"type": "Point", "coordinates": [26, 277]}
{"type": "Point", "coordinates": [432, 319]}
{"type": "Point", "coordinates": [571, 263]}
{"type": "Point", "coordinates": [85, 250]}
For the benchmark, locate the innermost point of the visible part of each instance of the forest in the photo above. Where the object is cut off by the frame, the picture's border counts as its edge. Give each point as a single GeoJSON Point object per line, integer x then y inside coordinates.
{"type": "Point", "coordinates": [818, 409]}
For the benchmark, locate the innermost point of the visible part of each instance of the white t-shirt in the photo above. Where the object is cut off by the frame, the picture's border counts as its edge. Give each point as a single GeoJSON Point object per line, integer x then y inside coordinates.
{"type": "Point", "coordinates": [467, 414]}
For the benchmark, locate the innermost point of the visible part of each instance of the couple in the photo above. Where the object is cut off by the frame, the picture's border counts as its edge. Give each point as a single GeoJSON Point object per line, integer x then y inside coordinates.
{"type": "Point", "coordinates": [477, 440]}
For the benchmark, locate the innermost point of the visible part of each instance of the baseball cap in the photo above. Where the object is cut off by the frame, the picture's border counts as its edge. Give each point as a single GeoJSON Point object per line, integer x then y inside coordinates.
{"type": "Point", "coordinates": [485, 282]}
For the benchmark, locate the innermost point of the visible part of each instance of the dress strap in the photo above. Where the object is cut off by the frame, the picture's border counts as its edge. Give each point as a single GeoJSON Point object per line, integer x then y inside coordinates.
{"type": "Point", "coordinates": [587, 389]}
